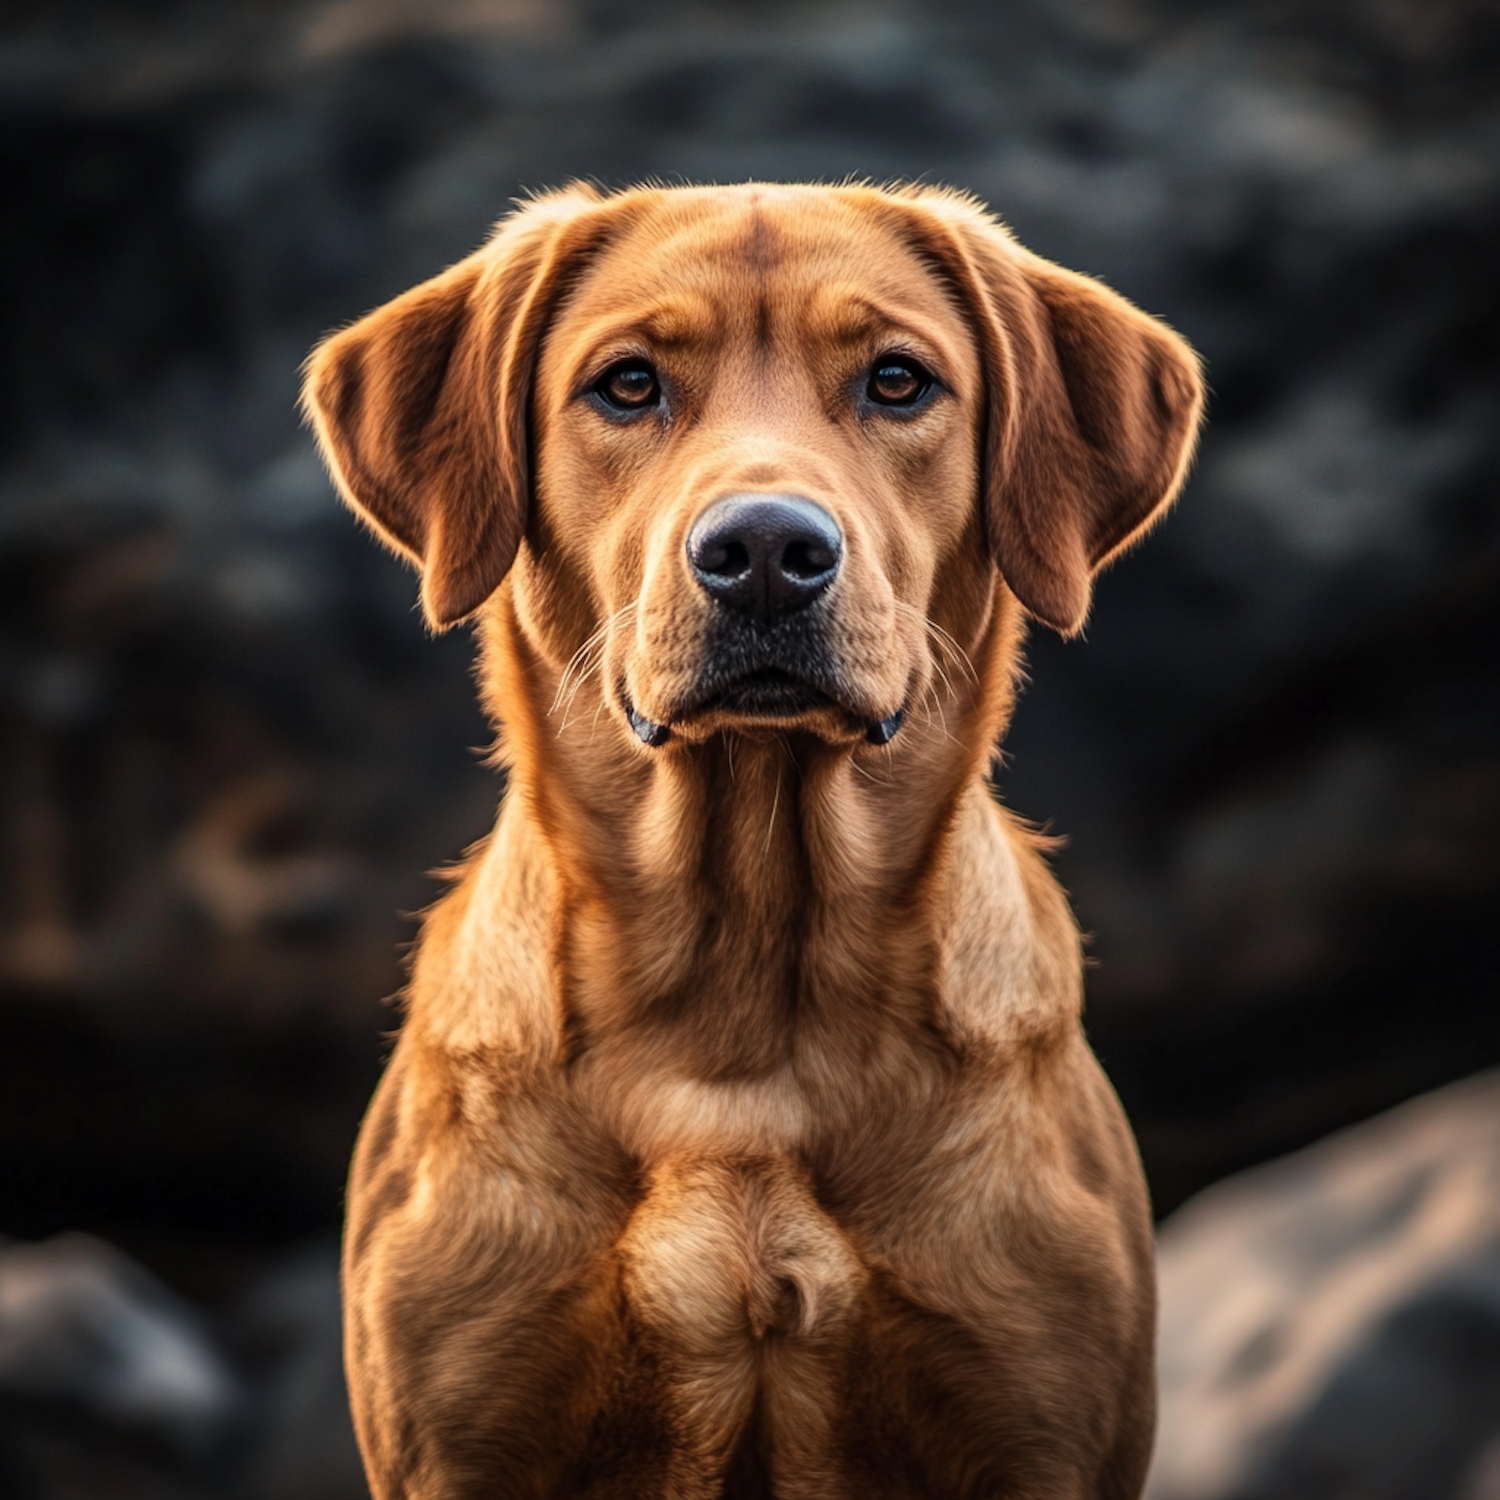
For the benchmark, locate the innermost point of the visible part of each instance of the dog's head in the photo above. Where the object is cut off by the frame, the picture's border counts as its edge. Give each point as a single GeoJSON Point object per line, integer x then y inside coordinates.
{"type": "Point", "coordinates": [758, 454]}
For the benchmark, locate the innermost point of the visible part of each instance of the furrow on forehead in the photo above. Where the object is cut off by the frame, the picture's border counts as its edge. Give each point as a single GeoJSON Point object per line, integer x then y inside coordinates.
{"type": "Point", "coordinates": [766, 263]}
{"type": "Point", "coordinates": [755, 234]}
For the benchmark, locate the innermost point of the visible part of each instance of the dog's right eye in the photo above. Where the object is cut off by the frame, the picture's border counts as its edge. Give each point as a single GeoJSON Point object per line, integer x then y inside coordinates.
{"type": "Point", "coordinates": [629, 386]}
{"type": "Point", "coordinates": [898, 381]}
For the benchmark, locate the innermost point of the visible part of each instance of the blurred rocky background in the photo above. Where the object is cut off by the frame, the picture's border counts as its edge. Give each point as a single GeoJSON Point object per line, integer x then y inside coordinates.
{"type": "Point", "coordinates": [230, 752]}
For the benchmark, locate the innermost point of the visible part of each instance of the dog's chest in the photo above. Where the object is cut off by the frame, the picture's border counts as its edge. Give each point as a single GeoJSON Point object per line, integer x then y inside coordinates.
{"type": "Point", "coordinates": [723, 1252]}
{"type": "Point", "coordinates": [748, 1293]}
{"type": "Point", "coordinates": [730, 1263]}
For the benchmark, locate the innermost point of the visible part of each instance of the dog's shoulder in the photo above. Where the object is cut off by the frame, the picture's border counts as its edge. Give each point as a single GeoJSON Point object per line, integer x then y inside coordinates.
{"type": "Point", "coordinates": [1011, 967]}
{"type": "Point", "coordinates": [483, 981]}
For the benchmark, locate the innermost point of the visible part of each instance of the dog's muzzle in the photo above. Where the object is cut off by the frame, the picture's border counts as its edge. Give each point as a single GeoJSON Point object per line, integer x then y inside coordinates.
{"type": "Point", "coordinates": [762, 559]}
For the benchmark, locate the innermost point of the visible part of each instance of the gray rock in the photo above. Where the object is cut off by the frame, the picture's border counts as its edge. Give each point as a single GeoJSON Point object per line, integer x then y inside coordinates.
{"type": "Point", "coordinates": [1330, 1325]}
{"type": "Point", "coordinates": [89, 1335]}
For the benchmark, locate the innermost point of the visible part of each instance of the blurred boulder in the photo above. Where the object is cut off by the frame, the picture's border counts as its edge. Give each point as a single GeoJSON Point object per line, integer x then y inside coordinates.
{"type": "Point", "coordinates": [1330, 1324]}
{"type": "Point", "coordinates": [97, 1357]}
{"type": "Point", "coordinates": [112, 1388]}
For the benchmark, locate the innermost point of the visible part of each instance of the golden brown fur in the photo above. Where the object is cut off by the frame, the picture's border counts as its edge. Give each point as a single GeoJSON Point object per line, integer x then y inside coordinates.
{"type": "Point", "coordinates": [741, 1139]}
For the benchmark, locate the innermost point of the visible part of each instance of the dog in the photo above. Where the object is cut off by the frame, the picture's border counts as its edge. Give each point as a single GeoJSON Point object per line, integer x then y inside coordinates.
{"type": "Point", "coordinates": [741, 1139]}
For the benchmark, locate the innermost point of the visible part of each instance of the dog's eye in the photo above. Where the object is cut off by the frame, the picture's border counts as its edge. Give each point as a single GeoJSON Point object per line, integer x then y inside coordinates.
{"type": "Point", "coordinates": [897, 381]}
{"type": "Point", "coordinates": [629, 385]}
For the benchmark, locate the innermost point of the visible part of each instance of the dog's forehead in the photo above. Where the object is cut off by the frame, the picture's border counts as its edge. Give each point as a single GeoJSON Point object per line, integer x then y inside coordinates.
{"type": "Point", "coordinates": [759, 255]}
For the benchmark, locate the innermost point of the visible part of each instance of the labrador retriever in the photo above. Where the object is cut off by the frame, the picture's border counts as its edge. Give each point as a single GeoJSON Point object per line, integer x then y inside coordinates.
{"type": "Point", "coordinates": [741, 1139]}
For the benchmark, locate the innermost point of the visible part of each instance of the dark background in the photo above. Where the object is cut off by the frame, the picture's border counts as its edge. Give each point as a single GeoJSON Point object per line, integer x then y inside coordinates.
{"type": "Point", "coordinates": [229, 751]}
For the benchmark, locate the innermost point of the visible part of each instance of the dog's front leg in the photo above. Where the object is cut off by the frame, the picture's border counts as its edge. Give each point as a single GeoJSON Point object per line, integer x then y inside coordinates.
{"type": "Point", "coordinates": [484, 1322]}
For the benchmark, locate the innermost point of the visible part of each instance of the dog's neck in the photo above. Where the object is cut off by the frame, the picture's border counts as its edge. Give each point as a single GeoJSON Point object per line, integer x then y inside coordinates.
{"type": "Point", "coordinates": [765, 886]}
{"type": "Point", "coordinates": [725, 903]}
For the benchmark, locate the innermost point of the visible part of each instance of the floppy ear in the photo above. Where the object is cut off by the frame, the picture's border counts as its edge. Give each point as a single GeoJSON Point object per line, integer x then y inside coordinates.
{"type": "Point", "coordinates": [1093, 410]}
{"type": "Point", "coordinates": [421, 407]}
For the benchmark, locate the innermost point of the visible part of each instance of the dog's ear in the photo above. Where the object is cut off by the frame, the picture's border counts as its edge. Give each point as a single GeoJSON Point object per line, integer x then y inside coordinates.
{"type": "Point", "coordinates": [1093, 410]}
{"type": "Point", "coordinates": [421, 407]}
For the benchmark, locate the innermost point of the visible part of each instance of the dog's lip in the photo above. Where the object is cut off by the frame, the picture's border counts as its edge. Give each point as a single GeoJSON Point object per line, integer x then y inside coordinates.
{"type": "Point", "coordinates": [734, 703]}
{"type": "Point", "coordinates": [770, 694]}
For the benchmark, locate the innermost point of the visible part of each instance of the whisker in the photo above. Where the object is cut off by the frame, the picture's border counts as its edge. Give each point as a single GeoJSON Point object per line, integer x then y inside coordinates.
{"type": "Point", "coordinates": [574, 662]}
{"type": "Point", "coordinates": [943, 648]}
{"type": "Point", "coordinates": [937, 666]}
{"type": "Point", "coordinates": [771, 825]}
{"type": "Point", "coordinates": [586, 660]}
{"type": "Point", "coordinates": [573, 692]}
{"type": "Point", "coordinates": [578, 683]}
{"type": "Point", "coordinates": [956, 651]}
{"type": "Point", "coordinates": [597, 639]}
{"type": "Point", "coordinates": [937, 703]}
{"type": "Point", "coordinates": [943, 720]}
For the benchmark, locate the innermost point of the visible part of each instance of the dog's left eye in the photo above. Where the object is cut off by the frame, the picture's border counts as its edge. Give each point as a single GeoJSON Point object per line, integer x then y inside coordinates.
{"type": "Point", "coordinates": [629, 385]}
{"type": "Point", "coordinates": [897, 381]}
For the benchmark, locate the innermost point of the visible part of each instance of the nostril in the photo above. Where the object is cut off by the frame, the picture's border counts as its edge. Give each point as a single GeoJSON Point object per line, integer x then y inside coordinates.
{"type": "Point", "coordinates": [806, 560]}
{"type": "Point", "coordinates": [724, 559]}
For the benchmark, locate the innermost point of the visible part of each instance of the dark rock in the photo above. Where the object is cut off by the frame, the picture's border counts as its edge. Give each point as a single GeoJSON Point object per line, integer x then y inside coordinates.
{"type": "Point", "coordinates": [111, 1385]}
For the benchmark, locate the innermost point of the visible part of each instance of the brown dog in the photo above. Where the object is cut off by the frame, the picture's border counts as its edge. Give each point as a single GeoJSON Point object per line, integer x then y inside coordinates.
{"type": "Point", "coordinates": [741, 1139]}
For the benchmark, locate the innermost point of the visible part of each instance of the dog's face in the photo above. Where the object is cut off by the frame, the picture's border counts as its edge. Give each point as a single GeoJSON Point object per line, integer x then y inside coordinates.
{"type": "Point", "coordinates": [757, 424]}
{"type": "Point", "coordinates": [756, 452]}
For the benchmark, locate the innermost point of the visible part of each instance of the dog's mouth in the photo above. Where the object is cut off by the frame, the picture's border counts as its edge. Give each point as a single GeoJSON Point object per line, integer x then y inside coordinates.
{"type": "Point", "coordinates": [769, 697]}
{"type": "Point", "coordinates": [752, 681]}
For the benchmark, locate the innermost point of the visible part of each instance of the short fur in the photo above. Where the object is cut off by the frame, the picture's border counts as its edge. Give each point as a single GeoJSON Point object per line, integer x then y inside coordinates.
{"type": "Point", "coordinates": [741, 1139]}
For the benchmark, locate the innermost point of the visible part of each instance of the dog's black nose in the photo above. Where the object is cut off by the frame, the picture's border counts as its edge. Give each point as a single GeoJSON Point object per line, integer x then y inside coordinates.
{"type": "Point", "coordinates": [765, 555]}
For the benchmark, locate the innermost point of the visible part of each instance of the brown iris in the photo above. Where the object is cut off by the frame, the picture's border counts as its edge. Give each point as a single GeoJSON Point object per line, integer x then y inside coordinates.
{"type": "Point", "coordinates": [629, 385]}
{"type": "Point", "coordinates": [897, 381]}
